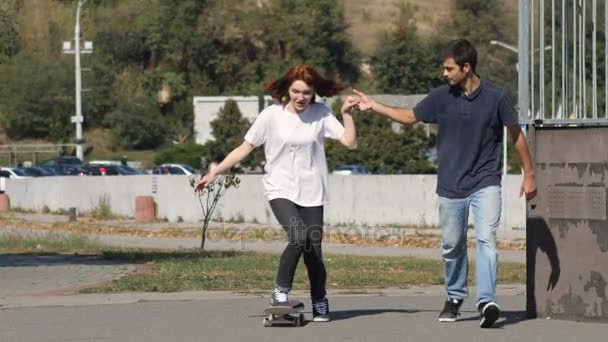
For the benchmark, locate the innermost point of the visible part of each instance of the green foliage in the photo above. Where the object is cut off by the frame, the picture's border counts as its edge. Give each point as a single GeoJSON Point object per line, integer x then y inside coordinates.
{"type": "Point", "coordinates": [318, 38]}
{"type": "Point", "coordinates": [228, 130]}
{"type": "Point", "coordinates": [190, 154]}
{"type": "Point", "coordinates": [37, 98]}
{"type": "Point", "coordinates": [180, 122]}
{"type": "Point", "coordinates": [8, 32]}
{"type": "Point", "coordinates": [136, 124]}
{"type": "Point", "coordinates": [382, 150]}
{"type": "Point", "coordinates": [405, 63]}
{"type": "Point", "coordinates": [103, 210]}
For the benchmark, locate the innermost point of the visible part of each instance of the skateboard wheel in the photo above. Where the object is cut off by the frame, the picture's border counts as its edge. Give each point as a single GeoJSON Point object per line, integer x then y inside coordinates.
{"type": "Point", "coordinates": [266, 322]}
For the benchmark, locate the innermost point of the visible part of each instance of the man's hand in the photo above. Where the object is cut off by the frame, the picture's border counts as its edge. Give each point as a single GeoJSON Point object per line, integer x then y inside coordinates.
{"type": "Point", "coordinates": [365, 103]}
{"type": "Point", "coordinates": [528, 186]}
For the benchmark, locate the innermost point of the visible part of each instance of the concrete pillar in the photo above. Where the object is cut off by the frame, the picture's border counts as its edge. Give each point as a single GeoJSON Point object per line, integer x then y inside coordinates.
{"type": "Point", "coordinates": [5, 203]}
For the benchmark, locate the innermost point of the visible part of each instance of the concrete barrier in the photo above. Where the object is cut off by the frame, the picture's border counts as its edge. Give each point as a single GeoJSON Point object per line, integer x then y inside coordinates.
{"type": "Point", "coordinates": [401, 200]}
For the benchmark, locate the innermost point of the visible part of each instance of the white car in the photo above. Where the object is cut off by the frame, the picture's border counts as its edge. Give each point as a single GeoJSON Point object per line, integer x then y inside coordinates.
{"type": "Point", "coordinates": [185, 168]}
{"type": "Point", "coordinates": [9, 172]}
{"type": "Point", "coordinates": [346, 170]}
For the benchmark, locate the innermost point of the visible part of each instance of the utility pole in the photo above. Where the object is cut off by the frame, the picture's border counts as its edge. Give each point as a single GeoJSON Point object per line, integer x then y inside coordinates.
{"type": "Point", "coordinates": [78, 119]}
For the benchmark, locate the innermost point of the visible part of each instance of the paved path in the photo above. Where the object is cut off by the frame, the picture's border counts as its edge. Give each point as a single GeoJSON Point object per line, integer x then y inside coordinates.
{"type": "Point", "coordinates": [356, 318]}
{"type": "Point", "coordinates": [38, 302]}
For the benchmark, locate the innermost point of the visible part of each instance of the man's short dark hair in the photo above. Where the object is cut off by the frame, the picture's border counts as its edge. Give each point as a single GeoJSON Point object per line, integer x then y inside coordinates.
{"type": "Point", "coordinates": [462, 51]}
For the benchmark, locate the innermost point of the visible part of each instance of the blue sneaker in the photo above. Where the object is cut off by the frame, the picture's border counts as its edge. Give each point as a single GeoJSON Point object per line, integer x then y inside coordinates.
{"type": "Point", "coordinates": [320, 311]}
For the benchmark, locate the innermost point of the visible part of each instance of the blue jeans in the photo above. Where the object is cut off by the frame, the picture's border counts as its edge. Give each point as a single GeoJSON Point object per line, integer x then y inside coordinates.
{"type": "Point", "coordinates": [485, 205]}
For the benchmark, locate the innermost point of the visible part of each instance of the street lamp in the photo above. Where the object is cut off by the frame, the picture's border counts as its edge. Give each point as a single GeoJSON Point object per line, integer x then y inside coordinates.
{"type": "Point", "coordinates": [88, 48]}
{"type": "Point", "coordinates": [513, 49]}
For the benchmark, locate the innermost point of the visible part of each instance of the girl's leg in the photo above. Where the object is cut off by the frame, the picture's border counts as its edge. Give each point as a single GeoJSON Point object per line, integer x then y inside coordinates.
{"type": "Point", "coordinates": [289, 217]}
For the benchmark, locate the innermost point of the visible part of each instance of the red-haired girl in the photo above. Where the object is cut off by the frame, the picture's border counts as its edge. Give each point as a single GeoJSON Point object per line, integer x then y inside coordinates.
{"type": "Point", "coordinates": [293, 131]}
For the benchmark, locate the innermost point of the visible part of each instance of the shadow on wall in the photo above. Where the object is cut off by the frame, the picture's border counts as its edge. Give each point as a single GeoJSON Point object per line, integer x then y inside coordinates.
{"type": "Point", "coordinates": [539, 237]}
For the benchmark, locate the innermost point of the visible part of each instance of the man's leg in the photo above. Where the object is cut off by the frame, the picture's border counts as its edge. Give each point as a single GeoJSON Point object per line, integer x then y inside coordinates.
{"type": "Point", "coordinates": [453, 217]}
{"type": "Point", "coordinates": [486, 209]}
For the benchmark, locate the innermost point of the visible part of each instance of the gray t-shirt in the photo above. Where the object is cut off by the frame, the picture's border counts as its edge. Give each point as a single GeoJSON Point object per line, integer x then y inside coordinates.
{"type": "Point", "coordinates": [295, 167]}
{"type": "Point", "coordinates": [470, 133]}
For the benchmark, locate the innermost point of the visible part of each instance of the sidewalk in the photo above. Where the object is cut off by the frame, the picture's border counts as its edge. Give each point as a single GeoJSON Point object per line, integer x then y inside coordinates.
{"type": "Point", "coordinates": [39, 301]}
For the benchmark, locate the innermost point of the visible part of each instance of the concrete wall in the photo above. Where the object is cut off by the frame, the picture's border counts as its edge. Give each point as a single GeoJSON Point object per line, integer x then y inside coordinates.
{"type": "Point", "coordinates": [358, 200]}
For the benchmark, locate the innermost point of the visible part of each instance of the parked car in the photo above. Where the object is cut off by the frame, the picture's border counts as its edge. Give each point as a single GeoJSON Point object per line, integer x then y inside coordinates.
{"type": "Point", "coordinates": [9, 172]}
{"type": "Point", "coordinates": [104, 162]}
{"type": "Point", "coordinates": [345, 170]}
{"type": "Point", "coordinates": [187, 169]}
{"type": "Point", "coordinates": [67, 170]}
{"type": "Point", "coordinates": [38, 171]}
{"type": "Point", "coordinates": [62, 161]}
{"type": "Point", "coordinates": [110, 170]}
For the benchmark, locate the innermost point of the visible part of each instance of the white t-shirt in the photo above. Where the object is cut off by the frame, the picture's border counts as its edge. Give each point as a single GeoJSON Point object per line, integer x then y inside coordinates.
{"type": "Point", "coordinates": [296, 168]}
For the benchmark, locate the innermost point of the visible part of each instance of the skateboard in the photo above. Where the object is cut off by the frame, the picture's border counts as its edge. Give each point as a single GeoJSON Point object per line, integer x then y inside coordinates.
{"type": "Point", "coordinates": [284, 314]}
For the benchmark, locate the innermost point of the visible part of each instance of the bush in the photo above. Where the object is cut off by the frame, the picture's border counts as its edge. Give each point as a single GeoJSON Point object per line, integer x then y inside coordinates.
{"type": "Point", "coordinates": [190, 154]}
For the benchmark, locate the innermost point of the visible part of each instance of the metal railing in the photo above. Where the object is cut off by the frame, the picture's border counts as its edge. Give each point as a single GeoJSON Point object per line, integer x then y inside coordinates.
{"type": "Point", "coordinates": [564, 87]}
{"type": "Point", "coordinates": [13, 154]}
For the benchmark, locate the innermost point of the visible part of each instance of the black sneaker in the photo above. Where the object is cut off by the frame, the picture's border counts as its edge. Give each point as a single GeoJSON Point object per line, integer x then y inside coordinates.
{"type": "Point", "coordinates": [450, 310]}
{"type": "Point", "coordinates": [490, 311]}
{"type": "Point", "coordinates": [320, 311]}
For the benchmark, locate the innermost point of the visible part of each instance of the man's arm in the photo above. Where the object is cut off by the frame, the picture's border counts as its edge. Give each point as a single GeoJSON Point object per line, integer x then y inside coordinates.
{"type": "Point", "coordinates": [528, 186]}
{"type": "Point", "coordinates": [401, 115]}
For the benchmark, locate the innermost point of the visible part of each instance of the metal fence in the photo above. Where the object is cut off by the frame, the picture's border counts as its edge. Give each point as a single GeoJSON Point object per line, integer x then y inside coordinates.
{"type": "Point", "coordinates": [563, 49]}
{"type": "Point", "coordinates": [563, 61]}
{"type": "Point", "coordinates": [13, 155]}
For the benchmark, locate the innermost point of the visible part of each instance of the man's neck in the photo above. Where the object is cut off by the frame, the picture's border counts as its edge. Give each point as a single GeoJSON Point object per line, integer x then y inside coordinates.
{"type": "Point", "coordinates": [470, 84]}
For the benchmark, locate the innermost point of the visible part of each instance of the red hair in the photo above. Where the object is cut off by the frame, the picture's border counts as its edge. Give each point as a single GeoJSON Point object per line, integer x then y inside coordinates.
{"type": "Point", "coordinates": [279, 89]}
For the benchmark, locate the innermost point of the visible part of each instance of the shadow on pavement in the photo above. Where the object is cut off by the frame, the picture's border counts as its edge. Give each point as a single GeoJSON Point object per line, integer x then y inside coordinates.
{"type": "Point", "coordinates": [105, 258]}
{"type": "Point", "coordinates": [506, 318]}
{"type": "Point", "coordinates": [347, 314]}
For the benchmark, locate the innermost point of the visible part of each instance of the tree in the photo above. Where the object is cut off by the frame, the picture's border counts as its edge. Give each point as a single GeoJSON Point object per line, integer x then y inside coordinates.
{"type": "Point", "coordinates": [9, 36]}
{"type": "Point", "coordinates": [136, 124]}
{"type": "Point", "coordinates": [210, 198]}
{"type": "Point", "coordinates": [228, 130]}
{"type": "Point", "coordinates": [190, 154]}
{"type": "Point", "coordinates": [381, 149]}
{"type": "Point", "coordinates": [37, 98]}
{"type": "Point", "coordinates": [318, 38]}
{"type": "Point", "coordinates": [404, 63]}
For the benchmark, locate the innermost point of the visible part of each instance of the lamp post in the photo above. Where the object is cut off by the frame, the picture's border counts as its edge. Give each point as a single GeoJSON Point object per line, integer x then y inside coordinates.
{"type": "Point", "coordinates": [88, 48]}
{"type": "Point", "coordinates": [504, 138]}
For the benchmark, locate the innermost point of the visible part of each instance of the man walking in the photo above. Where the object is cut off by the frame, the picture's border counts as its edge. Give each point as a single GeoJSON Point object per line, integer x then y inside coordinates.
{"type": "Point", "coordinates": [470, 114]}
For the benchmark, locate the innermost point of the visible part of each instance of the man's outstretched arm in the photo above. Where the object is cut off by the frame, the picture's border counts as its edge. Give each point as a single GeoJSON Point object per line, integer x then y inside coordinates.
{"type": "Point", "coordinates": [401, 115]}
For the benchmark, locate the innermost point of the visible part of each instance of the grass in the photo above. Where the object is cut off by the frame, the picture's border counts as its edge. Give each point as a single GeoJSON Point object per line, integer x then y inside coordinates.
{"type": "Point", "coordinates": [103, 210]}
{"type": "Point", "coordinates": [173, 271]}
{"type": "Point", "coordinates": [188, 270]}
{"type": "Point", "coordinates": [48, 243]}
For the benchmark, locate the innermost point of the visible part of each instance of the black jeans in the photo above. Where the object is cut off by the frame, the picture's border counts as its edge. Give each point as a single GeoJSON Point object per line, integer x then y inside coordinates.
{"type": "Point", "coordinates": [304, 228]}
